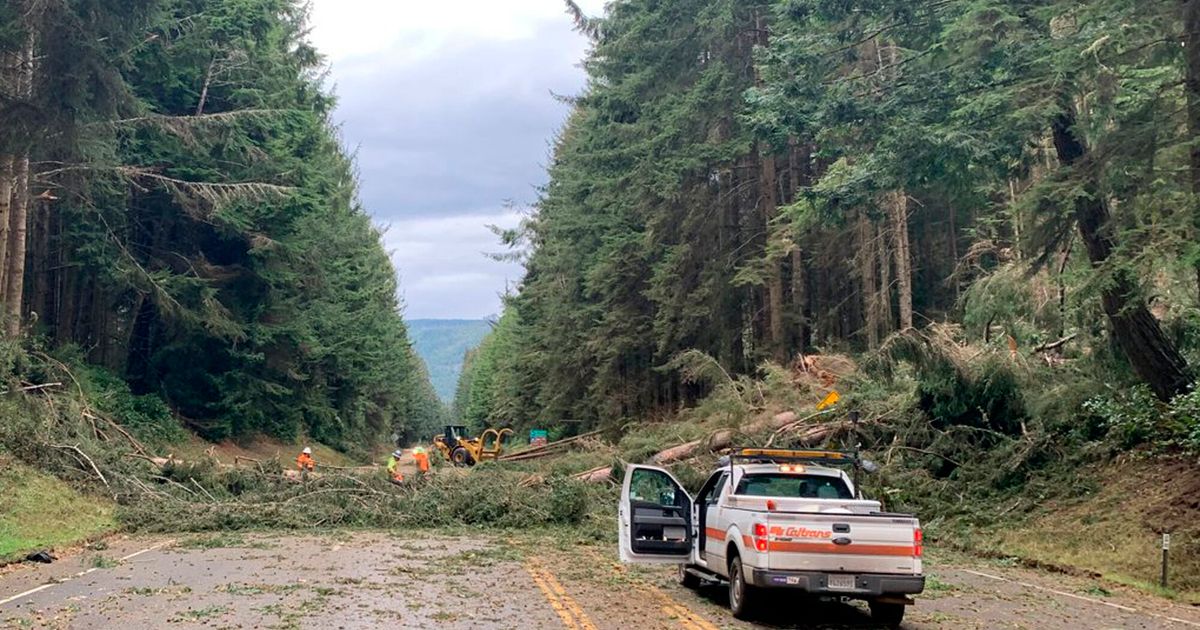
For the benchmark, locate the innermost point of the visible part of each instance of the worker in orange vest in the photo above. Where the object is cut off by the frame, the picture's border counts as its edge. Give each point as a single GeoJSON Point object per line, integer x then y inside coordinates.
{"type": "Point", "coordinates": [422, 458]}
{"type": "Point", "coordinates": [305, 462]}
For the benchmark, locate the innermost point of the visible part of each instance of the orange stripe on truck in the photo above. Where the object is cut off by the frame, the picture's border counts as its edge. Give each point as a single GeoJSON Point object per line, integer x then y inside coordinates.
{"type": "Point", "coordinates": [851, 549]}
{"type": "Point", "coordinates": [788, 546]}
{"type": "Point", "coordinates": [715, 533]}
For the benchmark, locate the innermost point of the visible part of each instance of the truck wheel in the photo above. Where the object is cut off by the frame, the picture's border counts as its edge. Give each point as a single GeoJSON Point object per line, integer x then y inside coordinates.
{"type": "Point", "coordinates": [687, 579]}
{"type": "Point", "coordinates": [887, 614]}
{"type": "Point", "coordinates": [742, 596]}
{"type": "Point", "coordinates": [460, 457]}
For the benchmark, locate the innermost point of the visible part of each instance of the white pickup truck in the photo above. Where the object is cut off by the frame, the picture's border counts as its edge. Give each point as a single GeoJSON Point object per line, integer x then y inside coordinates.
{"type": "Point", "coordinates": [775, 519]}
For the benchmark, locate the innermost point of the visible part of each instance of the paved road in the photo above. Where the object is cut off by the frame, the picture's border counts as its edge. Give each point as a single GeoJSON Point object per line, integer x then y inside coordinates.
{"type": "Point", "coordinates": [373, 580]}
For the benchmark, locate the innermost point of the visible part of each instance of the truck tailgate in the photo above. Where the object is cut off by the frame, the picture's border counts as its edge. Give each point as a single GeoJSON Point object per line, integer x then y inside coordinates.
{"type": "Point", "coordinates": [842, 543]}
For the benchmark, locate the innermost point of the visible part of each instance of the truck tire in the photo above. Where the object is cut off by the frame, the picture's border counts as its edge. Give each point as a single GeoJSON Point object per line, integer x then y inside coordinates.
{"type": "Point", "coordinates": [461, 457]}
{"type": "Point", "coordinates": [743, 596]}
{"type": "Point", "coordinates": [687, 579]}
{"type": "Point", "coordinates": [887, 614]}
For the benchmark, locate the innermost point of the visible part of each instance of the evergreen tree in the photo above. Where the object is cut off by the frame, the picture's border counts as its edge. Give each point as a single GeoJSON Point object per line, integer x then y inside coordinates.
{"type": "Point", "coordinates": [197, 227]}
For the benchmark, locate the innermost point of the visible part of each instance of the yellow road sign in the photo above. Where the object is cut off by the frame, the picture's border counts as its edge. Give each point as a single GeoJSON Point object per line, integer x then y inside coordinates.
{"type": "Point", "coordinates": [829, 401]}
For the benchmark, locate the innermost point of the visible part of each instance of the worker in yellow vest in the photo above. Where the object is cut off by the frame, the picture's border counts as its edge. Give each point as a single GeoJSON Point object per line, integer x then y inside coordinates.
{"type": "Point", "coordinates": [393, 467]}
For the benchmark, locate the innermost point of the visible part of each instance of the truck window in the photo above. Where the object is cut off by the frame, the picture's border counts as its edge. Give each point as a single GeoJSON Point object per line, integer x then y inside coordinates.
{"type": "Point", "coordinates": [652, 487]}
{"type": "Point", "coordinates": [793, 485]}
{"type": "Point", "coordinates": [716, 495]}
{"type": "Point", "coordinates": [713, 489]}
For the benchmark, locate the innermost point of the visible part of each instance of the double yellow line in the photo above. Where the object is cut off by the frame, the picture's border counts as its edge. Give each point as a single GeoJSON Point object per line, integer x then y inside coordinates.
{"type": "Point", "coordinates": [567, 609]}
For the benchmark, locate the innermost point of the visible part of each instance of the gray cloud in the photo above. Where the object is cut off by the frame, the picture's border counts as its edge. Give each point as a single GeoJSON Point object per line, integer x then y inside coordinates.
{"type": "Point", "coordinates": [443, 267]}
{"type": "Point", "coordinates": [450, 116]}
{"type": "Point", "coordinates": [464, 129]}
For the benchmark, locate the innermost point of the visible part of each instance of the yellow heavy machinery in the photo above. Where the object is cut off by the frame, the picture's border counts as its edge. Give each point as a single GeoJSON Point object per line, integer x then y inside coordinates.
{"type": "Point", "coordinates": [456, 447]}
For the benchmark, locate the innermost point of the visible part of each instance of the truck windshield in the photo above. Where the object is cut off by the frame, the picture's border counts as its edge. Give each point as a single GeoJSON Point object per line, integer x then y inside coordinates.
{"type": "Point", "coordinates": [793, 485]}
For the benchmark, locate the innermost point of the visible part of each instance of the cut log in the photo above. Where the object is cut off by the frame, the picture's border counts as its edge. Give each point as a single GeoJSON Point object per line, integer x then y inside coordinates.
{"type": "Point", "coordinates": [768, 424]}
{"type": "Point", "coordinates": [780, 423]}
{"type": "Point", "coordinates": [720, 440]}
{"type": "Point", "coordinates": [676, 453]}
{"type": "Point", "coordinates": [596, 475]}
{"type": "Point", "coordinates": [783, 418]}
{"type": "Point", "coordinates": [723, 439]}
{"type": "Point", "coordinates": [807, 435]}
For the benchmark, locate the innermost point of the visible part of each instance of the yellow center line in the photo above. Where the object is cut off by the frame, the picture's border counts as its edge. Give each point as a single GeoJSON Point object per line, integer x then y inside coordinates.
{"type": "Point", "coordinates": [681, 616]}
{"type": "Point", "coordinates": [685, 616]}
{"type": "Point", "coordinates": [561, 611]}
{"type": "Point", "coordinates": [584, 622]}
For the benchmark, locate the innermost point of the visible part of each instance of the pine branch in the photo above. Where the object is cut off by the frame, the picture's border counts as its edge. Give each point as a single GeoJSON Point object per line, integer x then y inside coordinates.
{"type": "Point", "coordinates": [585, 24]}
{"type": "Point", "coordinates": [199, 199]}
{"type": "Point", "coordinates": [184, 127]}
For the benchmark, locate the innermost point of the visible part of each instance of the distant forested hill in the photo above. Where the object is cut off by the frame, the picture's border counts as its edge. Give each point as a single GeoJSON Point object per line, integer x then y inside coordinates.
{"type": "Point", "coordinates": [442, 344]}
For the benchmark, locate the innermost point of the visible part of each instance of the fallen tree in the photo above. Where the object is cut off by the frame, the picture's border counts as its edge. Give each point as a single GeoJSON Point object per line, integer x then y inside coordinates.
{"type": "Point", "coordinates": [552, 448]}
{"type": "Point", "coordinates": [780, 424]}
{"type": "Point", "coordinates": [595, 475]}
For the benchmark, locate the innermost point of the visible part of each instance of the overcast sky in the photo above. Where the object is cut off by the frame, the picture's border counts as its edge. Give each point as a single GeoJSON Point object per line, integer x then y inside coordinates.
{"type": "Point", "coordinates": [449, 109]}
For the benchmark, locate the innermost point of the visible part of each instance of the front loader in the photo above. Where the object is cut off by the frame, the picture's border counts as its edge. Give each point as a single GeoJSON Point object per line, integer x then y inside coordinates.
{"type": "Point", "coordinates": [461, 450]}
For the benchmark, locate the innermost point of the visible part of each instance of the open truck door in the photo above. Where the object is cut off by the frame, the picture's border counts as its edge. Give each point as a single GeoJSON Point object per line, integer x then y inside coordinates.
{"type": "Point", "coordinates": [654, 517]}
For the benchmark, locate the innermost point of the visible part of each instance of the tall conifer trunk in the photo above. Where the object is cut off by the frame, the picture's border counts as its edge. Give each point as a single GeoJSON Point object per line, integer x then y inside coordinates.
{"type": "Point", "coordinates": [1191, 40]}
{"type": "Point", "coordinates": [9, 70]}
{"type": "Point", "coordinates": [883, 297]}
{"type": "Point", "coordinates": [897, 206]}
{"type": "Point", "coordinates": [769, 194]}
{"type": "Point", "coordinates": [798, 167]}
{"type": "Point", "coordinates": [770, 204]}
{"type": "Point", "coordinates": [39, 256]}
{"type": "Point", "coordinates": [1154, 358]}
{"type": "Point", "coordinates": [868, 289]}
{"type": "Point", "coordinates": [18, 223]}
{"type": "Point", "coordinates": [6, 191]}
{"type": "Point", "coordinates": [15, 293]}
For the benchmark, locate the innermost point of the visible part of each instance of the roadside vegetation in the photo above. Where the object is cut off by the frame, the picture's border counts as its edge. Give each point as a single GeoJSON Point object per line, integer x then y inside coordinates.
{"type": "Point", "coordinates": [40, 511]}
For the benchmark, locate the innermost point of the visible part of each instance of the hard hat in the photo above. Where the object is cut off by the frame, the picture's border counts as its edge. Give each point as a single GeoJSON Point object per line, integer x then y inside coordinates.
{"type": "Point", "coordinates": [307, 451]}
{"type": "Point", "coordinates": [418, 450]}
{"type": "Point", "coordinates": [397, 453]}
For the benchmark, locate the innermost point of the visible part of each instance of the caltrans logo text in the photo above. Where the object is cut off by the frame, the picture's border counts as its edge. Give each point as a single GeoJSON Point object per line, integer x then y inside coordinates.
{"type": "Point", "coordinates": [799, 532]}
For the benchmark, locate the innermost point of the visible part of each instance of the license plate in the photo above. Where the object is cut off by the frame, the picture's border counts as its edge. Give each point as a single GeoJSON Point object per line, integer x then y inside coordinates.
{"type": "Point", "coordinates": [842, 582]}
